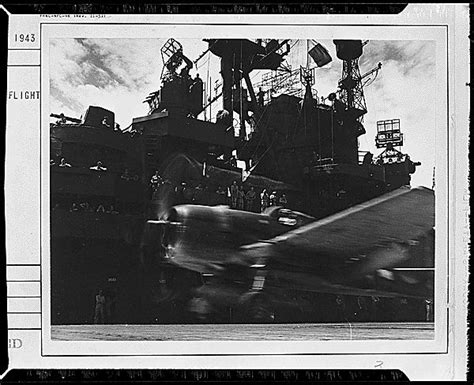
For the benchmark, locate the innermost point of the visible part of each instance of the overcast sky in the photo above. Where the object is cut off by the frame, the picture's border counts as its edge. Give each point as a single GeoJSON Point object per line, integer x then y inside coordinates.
{"type": "Point", "coordinates": [118, 74]}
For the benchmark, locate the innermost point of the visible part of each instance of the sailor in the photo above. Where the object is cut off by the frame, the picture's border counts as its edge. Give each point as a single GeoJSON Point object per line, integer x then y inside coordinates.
{"type": "Point", "coordinates": [105, 122]}
{"type": "Point", "coordinates": [126, 175]}
{"type": "Point", "coordinates": [74, 207]}
{"type": "Point", "coordinates": [197, 80]}
{"type": "Point", "coordinates": [283, 201]}
{"type": "Point", "coordinates": [179, 192]}
{"type": "Point", "coordinates": [233, 161]}
{"type": "Point", "coordinates": [368, 157]}
{"type": "Point", "coordinates": [260, 97]}
{"type": "Point", "coordinates": [240, 198]}
{"type": "Point", "coordinates": [223, 117]}
{"type": "Point", "coordinates": [85, 206]}
{"type": "Point", "coordinates": [156, 181]}
{"type": "Point", "coordinates": [111, 210]}
{"type": "Point", "coordinates": [221, 195]}
{"type": "Point", "coordinates": [99, 314]}
{"type": "Point", "coordinates": [273, 198]}
{"type": "Point", "coordinates": [315, 158]}
{"type": "Point", "coordinates": [196, 83]}
{"type": "Point", "coordinates": [250, 199]}
{"type": "Point", "coordinates": [234, 194]}
{"type": "Point", "coordinates": [264, 200]}
{"type": "Point", "coordinates": [62, 119]}
{"type": "Point", "coordinates": [185, 77]}
{"type": "Point", "coordinates": [197, 196]}
{"type": "Point", "coordinates": [336, 103]}
{"type": "Point", "coordinates": [98, 167]}
{"type": "Point", "coordinates": [403, 309]}
{"type": "Point", "coordinates": [188, 193]}
{"type": "Point", "coordinates": [428, 310]}
{"type": "Point", "coordinates": [63, 163]}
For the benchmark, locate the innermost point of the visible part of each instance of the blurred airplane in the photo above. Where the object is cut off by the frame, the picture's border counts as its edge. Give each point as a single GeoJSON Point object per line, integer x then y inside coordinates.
{"type": "Point", "coordinates": [250, 260]}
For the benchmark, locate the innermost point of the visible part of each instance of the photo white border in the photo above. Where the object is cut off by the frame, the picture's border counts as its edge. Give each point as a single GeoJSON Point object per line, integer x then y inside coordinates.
{"type": "Point", "coordinates": [22, 247]}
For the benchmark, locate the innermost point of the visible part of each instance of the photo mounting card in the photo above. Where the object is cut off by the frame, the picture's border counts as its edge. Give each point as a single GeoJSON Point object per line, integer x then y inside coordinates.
{"type": "Point", "coordinates": [238, 191]}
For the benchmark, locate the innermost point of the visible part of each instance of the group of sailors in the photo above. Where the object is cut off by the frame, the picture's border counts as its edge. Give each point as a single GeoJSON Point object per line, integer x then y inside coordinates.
{"type": "Point", "coordinates": [234, 195]}
{"type": "Point", "coordinates": [63, 119]}
{"type": "Point", "coordinates": [86, 207]}
{"type": "Point", "coordinates": [240, 199]}
{"type": "Point", "coordinates": [98, 166]}
{"type": "Point", "coordinates": [373, 308]}
{"type": "Point", "coordinates": [250, 199]}
{"type": "Point", "coordinates": [62, 163]}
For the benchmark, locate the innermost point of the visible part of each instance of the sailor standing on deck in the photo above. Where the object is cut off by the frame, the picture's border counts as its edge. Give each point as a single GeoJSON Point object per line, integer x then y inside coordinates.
{"type": "Point", "coordinates": [221, 195]}
{"type": "Point", "coordinates": [250, 199]}
{"type": "Point", "coordinates": [273, 198]}
{"type": "Point", "coordinates": [283, 201]}
{"type": "Point", "coordinates": [264, 200]}
{"type": "Point", "coordinates": [260, 97]}
{"type": "Point", "coordinates": [99, 314]}
{"type": "Point", "coordinates": [234, 193]}
{"type": "Point", "coordinates": [240, 198]}
{"type": "Point", "coordinates": [156, 181]}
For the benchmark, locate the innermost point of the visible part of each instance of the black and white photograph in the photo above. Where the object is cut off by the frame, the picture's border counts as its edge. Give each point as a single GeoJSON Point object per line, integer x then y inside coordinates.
{"type": "Point", "coordinates": [258, 189]}
{"type": "Point", "coordinates": [240, 191]}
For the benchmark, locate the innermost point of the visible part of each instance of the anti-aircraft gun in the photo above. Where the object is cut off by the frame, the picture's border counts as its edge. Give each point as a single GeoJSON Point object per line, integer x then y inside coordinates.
{"type": "Point", "coordinates": [179, 93]}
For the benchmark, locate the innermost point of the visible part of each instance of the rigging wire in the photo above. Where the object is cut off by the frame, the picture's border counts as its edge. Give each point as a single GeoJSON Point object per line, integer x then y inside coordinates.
{"type": "Point", "coordinates": [283, 76]}
{"type": "Point", "coordinates": [261, 136]}
{"type": "Point", "coordinates": [277, 75]}
{"type": "Point", "coordinates": [209, 86]}
{"type": "Point", "coordinates": [202, 64]}
{"type": "Point", "coordinates": [231, 112]}
{"type": "Point", "coordinates": [241, 117]}
{"type": "Point", "coordinates": [204, 53]}
{"type": "Point", "coordinates": [319, 133]}
{"type": "Point", "coordinates": [370, 80]}
{"type": "Point", "coordinates": [332, 135]}
{"type": "Point", "coordinates": [264, 153]}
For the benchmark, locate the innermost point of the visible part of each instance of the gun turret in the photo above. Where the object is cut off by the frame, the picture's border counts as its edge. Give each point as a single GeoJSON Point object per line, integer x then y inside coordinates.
{"type": "Point", "coordinates": [64, 119]}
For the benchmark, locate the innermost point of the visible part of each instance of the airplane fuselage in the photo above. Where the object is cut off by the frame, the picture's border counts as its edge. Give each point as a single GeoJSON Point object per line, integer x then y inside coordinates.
{"type": "Point", "coordinates": [204, 238]}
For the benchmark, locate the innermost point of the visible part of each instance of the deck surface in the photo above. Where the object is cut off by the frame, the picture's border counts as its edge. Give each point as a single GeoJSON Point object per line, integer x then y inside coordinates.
{"type": "Point", "coordinates": [246, 332]}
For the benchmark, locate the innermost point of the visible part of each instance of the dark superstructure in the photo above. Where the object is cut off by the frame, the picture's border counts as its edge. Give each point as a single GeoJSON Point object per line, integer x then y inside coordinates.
{"type": "Point", "coordinates": [305, 147]}
{"type": "Point", "coordinates": [96, 217]}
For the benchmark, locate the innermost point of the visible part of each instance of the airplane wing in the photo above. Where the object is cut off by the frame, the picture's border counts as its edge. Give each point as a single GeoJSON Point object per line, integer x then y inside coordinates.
{"type": "Point", "coordinates": [399, 216]}
{"type": "Point", "coordinates": [354, 251]}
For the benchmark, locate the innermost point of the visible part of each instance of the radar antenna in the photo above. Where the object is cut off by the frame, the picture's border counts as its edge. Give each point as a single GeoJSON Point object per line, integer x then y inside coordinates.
{"type": "Point", "coordinates": [351, 90]}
